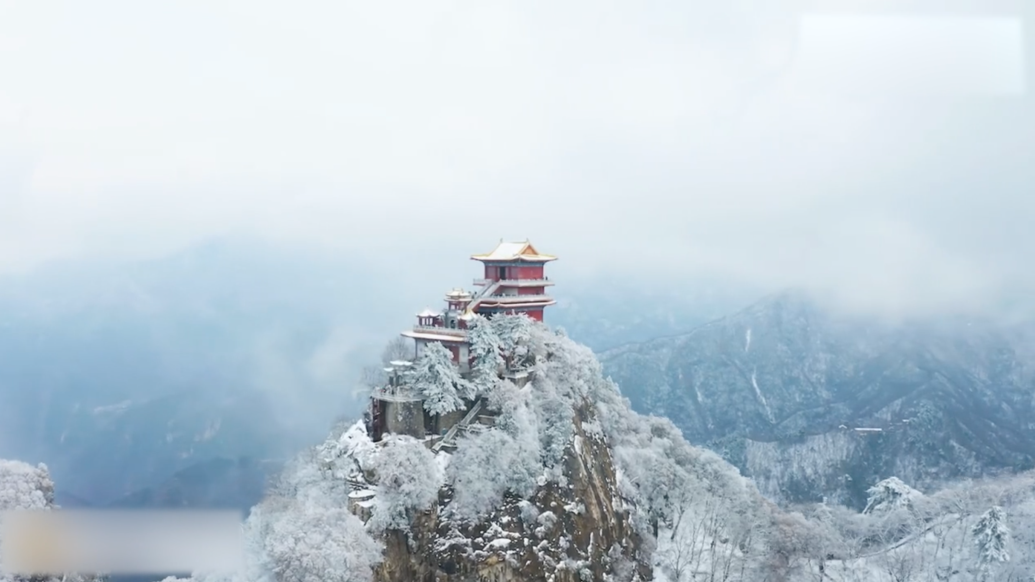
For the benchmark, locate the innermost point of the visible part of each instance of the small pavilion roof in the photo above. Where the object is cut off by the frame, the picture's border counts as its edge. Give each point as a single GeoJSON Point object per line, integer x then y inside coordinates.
{"type": "Point", "coordinates": [458, 294]}
{"type": "Point", "coordinates": [515, 251]}
{"type": "Point", "coordinates": [428, 313]}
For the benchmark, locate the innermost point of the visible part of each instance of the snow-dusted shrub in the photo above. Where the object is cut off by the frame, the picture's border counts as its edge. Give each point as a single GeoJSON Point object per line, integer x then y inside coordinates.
{"type": "Point", "coordinates": [408, 481]}
{"type": "Point", "coordinates": [309, 543]}
{"type": "Point", "coordinates": [23, 486]}
{"type": "Point", "coordinates": [487, 466]}
{"type": "Point", "coordinates": [354, 445]}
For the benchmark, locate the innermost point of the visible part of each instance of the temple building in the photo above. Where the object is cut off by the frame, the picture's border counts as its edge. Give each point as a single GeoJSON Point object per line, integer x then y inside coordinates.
{"type": "Point", "coordinates": [513, 282]}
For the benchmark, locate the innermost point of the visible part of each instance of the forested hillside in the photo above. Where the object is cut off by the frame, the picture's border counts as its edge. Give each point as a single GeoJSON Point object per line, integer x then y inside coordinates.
{"type": "Point", "coordinates": [813, 405]}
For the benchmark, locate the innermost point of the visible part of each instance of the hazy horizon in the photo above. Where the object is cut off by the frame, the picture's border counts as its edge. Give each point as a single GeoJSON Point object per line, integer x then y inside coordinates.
{"type": "Point", "coordinates": [763, 142]}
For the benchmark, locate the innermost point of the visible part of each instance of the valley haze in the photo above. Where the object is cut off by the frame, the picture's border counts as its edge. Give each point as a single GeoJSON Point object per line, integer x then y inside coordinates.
{"type": "Point", "coordinates": [795, 318]}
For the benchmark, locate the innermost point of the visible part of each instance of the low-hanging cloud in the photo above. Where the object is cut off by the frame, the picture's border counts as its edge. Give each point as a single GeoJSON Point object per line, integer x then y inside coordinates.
{"type": "Point", "coordinates": [661, 138]}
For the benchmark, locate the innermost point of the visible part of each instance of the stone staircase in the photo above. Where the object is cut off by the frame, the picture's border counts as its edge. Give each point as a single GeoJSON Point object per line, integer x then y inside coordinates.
{"type": "Point", "coordinates": [449, 441]}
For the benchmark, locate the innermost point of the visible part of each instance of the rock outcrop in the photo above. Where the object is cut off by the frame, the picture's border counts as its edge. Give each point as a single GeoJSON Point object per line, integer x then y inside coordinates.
{"type": "Point", "coordinates": [565, 484]}
{"type": "Point", "coordinates": [563, 533]}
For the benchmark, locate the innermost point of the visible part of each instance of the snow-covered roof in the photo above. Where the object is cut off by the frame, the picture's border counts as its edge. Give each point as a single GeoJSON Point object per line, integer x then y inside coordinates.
{"type": "Point", "coordinates": [515, 251]}
{"type": "Point", "coordinates": [458, 294]}
{"type": "Point", "coordinates": [400, 363]}
{"type": "Point", "coordinates": [429, 313]}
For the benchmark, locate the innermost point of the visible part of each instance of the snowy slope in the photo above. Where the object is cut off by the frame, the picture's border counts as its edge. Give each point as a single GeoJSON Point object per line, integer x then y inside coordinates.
{"type": "Point", "coordinates": [787, 392]}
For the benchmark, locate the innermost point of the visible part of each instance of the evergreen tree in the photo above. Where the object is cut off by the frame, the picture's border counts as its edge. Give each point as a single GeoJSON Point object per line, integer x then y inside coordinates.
{"type": "Point", "coordinates": [436, 378]}
{"type": "Point", "coordinates": [485, 352]}
{"type": "Point", "coordinates": [991, 535]}
{"type": "Point", "coordinates": [888, 495]}
{"type": "Point", "coordinates": [515, 334]}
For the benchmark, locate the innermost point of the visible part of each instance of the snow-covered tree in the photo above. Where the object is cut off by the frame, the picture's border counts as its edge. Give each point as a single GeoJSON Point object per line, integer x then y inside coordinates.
{"type": "Point", "coordinates": [485, 353]}
{"type": "Point", "coordinates": [555, 428]}
{"type": "Point", "coordinates": [27, 487]}
{"type": "Point", "coordinates": [515, 334]}
{"type": "Point", "coordinates": [23, 486]}
{"type": "Point", "coordinates": [408, 481]}
{"type": "Point", "coordinates": [991, 535]}
{"type": "Point", "coordinates": [486, 466]}
{"type": "Point", "coordinates": [308, 543]}
{"type": "Point", "coordinates": [437, 379]}
{"type": "Point", "coordinates": [888, 495]}
{"type": "Point", "coordinates": [399, 348]}
{"type": "Point", "coordinates": [303, 531]}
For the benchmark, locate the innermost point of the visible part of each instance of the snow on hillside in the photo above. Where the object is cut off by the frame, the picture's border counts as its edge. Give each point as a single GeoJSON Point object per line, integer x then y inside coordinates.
{"type": "Point", "coordinates": [783, 379]}
{"type": "Point", "coordinates": [572, 485]}
{"type": "Point", "coordinates": [698, 518]}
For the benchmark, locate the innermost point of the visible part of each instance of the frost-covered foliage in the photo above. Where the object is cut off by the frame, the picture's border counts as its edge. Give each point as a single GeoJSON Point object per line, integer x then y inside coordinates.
{"type": "Point", "coordinates": [706, 514]}
{"type": "Point", "coordinates": [305, 542]}
{"type": "Point", "coordinates": [555, 428]}
{"type": "Point", "coordinates": [487, 360]}
{"type": "Point", "coordinates": [948, 535]}
{"type": "Point", "coordinates": [515, 334]}
{"type": "Point", "coordinates": [992, 536]}
{"type": "Point", "coordinates": [23, 486]}
{"type": "Point", "coordinates": [408, 481]}
{"type": "Point", "coordinates": [488, 465]}
{"type": "Point", "coordinates": [889, 494]}
{"type": "Point", "coordinates": [27, 487]}
{"type": "Point", "coordinates": [354, 447]}
{"type": "Point", "coordinates": [704, 519]}
{"type": "Point", "coordinates": [437, 379]}
{"type": "Point", "coordinates": [303, 531]}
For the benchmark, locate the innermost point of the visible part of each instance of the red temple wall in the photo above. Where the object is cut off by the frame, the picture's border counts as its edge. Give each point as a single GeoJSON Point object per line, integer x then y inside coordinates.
{"type": "Point", "coordinates": [530, 272]}
{"type": "Point", "coordinates": [536, 314]}
{"type": "Point", "coordinates": [492, 272]}
{"type": "Point", "coordinates": [531, 291]}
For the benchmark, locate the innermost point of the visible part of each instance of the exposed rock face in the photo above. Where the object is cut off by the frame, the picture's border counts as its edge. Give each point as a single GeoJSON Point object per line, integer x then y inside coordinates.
{"type": "Point", "coordinates": [563, 483]}
{"type": "Point", "coordinates": [785, 391]}
{"type": "Point", "coordinates": [572, 533]}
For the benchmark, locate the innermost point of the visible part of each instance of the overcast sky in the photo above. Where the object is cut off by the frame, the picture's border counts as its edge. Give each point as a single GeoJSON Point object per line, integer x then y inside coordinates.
{"type": "Point", "coordinates": [880, 156]}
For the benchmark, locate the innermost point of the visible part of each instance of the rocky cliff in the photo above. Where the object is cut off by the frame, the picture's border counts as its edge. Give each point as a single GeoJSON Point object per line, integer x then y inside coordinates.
{"type": "Point", "coordinates": [813, 405]}
{"type": "Point", "coordinates": [564, 533]}
{"type": "Point", "coordinates": [566, 484]}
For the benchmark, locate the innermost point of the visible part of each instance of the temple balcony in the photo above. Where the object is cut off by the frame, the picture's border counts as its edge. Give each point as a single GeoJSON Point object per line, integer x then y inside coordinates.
{"type": "Point", "coordinates": [445, 334]}
{"type": "Point", "coordinates": [441, 330]}
{"type": "Point", "coordinates": [545, 282]}
{"type": "Point", "coordinates": [491, 300]}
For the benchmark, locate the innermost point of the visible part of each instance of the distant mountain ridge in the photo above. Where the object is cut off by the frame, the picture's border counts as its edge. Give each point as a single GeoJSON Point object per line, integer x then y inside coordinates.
{"type": "Point", "coordinates": [119, 375]}
{"type": "Point", "coordinates": [781, 387]}
{"type": "Point", "coordinates": [213, 484]}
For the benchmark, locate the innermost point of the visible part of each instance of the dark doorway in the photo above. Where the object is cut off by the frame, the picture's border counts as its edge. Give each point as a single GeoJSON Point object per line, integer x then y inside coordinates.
{"type": "Point", "coordinates": [503, 273]}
